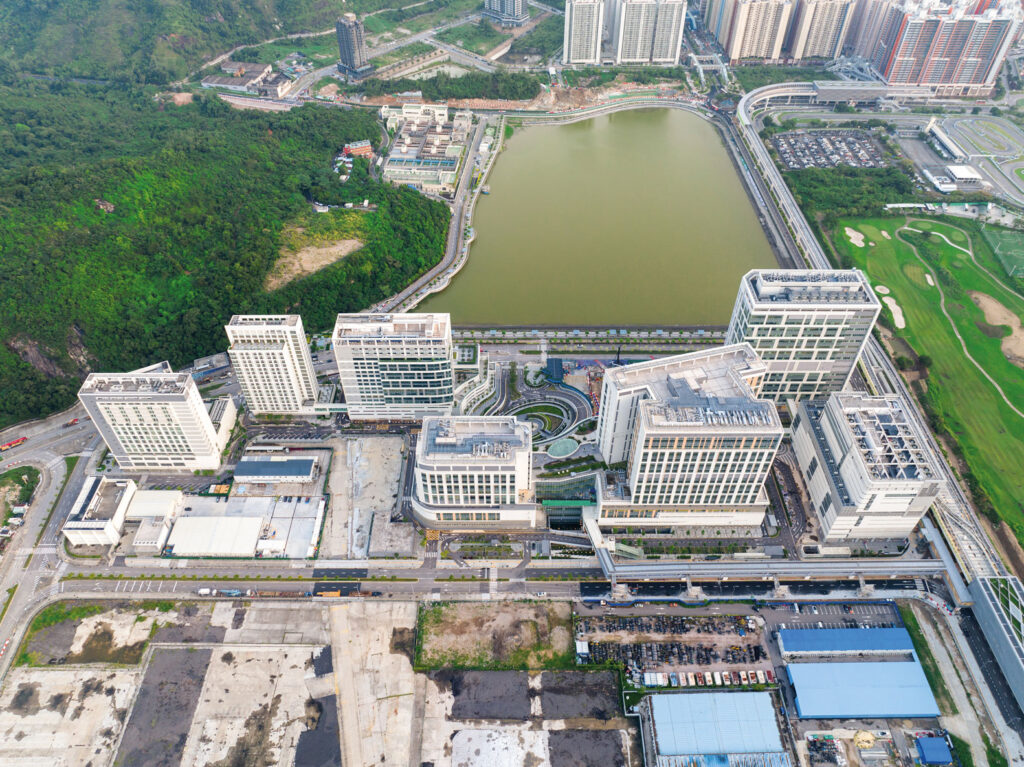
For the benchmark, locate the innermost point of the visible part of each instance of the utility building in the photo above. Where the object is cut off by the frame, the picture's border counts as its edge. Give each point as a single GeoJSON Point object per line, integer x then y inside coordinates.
{"type": "Point", "coordinates": [807, 325]}
{"type": "Point", "coordinates": [584, 32]}
{"type": "Point", "coordinates": [866, 465]}
{"type": "Point", "coordinates": [697, 440]}
{"type": "Point", "coordinates": [474, 471]}
{"type": "Point", "coordinates": [749, 29]}
{"type": "Point", "coordinates": [395, 366]}
{"type": "Point", "coordinates": [154, 419]}
{"type": "Point", "coordinates": [648, 31]}
{"type": "Point", "coordinates": [271, 358]}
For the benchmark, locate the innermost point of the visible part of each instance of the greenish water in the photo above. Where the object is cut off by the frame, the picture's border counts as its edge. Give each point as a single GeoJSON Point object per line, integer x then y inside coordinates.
{"type": "Point", "coordinates": [635, 218]}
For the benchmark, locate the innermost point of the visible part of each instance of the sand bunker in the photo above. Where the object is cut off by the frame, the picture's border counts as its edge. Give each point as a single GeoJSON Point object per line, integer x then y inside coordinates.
{"type": "Point", "coordinates": [931, 282]}
{"type": "Point", "coordinates": [897, 312]}
{"type": "Point", "coordinates": [886, 235]}
{"type": "Point", "coordinates": [881, 290]}
{"type": "Point", "coordinates": [855, 237]}
{"type": "Point", "coordinates": [291, 266]}
{"type": "Point", "coordinates": [997, 314]}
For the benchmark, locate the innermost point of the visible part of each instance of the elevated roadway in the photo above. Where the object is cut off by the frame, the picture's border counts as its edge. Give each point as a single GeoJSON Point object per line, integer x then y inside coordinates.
{"type": "Point", "coordinates": [768, 569]}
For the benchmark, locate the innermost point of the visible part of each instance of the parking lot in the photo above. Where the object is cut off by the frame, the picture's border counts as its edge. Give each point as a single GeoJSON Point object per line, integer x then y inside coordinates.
{"type": "Point", "coordinates": [828, 149]}
{"type": "Point", "coordinates": [679, 647]}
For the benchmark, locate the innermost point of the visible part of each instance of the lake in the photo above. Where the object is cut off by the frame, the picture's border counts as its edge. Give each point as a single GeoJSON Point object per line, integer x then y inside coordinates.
{"type": "Point", "coordinates": [634, 218]}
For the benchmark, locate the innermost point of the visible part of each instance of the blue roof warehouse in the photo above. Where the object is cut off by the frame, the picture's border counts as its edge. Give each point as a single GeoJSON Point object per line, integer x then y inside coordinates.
{"type": "Point", "coordinates": [890, 683]}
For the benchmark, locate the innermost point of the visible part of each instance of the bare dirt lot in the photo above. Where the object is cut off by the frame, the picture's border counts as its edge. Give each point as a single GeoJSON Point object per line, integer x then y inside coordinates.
{"type": "Point", "coordinates": [487, 694]}
{"type": "Point", "coordinates": [160, 721]}
{"type": "Point", "coordinates": [586, 748]}
{"type": "Point", "coordinates": [519, 635]}
{"type": "Point", "coordinates": [364, 490]}
{"type": "Point", "coordinates": [253, 707]}
{"type": "Point", "coordinates": [579, 694]}
{"type": "Point", "coordinates": [63, 715]}
{"type": "Point", "coordinates": [294, 264]}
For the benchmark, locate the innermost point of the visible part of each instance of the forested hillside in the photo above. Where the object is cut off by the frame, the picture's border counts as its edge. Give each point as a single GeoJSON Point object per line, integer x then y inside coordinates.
{"type": "Point", "coordinates": [131, 229]}
{"type": "Point", "coordinates": [152, 41]}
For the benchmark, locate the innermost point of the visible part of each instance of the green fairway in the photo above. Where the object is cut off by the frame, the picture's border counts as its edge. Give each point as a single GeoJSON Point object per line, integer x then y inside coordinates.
{"type": "Point", "coordinates": [962, 400]}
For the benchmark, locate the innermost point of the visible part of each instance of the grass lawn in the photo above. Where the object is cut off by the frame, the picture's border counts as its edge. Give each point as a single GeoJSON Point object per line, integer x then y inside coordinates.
{"type": "Point", "coordinates": [16, 487]}
{"type": "Point", "coordinates": [989, 433]}
{"type": "Point", "coordinates": [928, 662]}
{"type": "Point", "coordinates": [479, 37]}
{"type": "Point", "coordinates": [412, 50]}
{"type": "Point", "coordinates": [755, 76]}
{"type": "Point", "coordinates": [322, 49]}
{"type": "Point", "coordinates": [543, 40]}
{"type": "Point", "coordinates": [422, 16]}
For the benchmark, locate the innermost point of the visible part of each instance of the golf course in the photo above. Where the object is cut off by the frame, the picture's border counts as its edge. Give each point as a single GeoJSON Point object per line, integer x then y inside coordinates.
{"type": "Point", "coordinates": [957, 318]}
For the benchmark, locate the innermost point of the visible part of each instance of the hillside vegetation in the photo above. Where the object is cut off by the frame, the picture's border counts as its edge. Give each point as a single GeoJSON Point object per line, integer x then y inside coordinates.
{"type": "Point", "coordinates": [157, 40]}
{"type": "Point", "coordinates": [131, 230]}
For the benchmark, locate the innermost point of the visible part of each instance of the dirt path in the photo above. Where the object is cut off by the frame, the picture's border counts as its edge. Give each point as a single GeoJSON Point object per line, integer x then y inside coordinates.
{"type": "Point", "coordinates": [966, 724]}
{"type": "Point", "coordinates": [997, 314]}
{"type": "Point", "coordinates": [956, 331]}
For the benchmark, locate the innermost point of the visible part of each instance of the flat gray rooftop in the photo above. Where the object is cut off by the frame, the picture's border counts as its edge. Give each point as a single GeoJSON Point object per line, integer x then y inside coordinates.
{"type": "Point", "coordinates": [810, 286]}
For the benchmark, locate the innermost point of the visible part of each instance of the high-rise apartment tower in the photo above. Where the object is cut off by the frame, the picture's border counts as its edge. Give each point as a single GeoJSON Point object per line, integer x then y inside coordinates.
{"type": "Point", "coordinates": [584, 32]}
{"type": "Point", "coordinates": [508, 13]}
{"type": "Point", "coordinates": [956, 46]}
{"type": "Point", "coordinates": [749, 29]}
{"type": "Point", "coordinates": [648, 31]}
{"type": "Point", "coordinates": [351, 45]}
{"type": "Point", "coordinates": [820, 28]}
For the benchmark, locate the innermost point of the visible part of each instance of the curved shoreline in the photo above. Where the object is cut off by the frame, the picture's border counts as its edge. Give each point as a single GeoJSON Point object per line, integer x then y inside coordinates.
{"type": "Point", "coordinates": [440, 280]}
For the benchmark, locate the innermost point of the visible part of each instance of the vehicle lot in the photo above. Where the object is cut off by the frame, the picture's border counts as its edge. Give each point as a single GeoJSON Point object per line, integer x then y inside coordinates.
{"type": "Point", "coordinates": [678, 645]}
{"type": "Point", "coordinates": [828, 149]}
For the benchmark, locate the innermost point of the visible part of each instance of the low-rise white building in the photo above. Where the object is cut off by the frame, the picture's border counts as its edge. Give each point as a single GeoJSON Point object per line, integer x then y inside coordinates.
{"type": "Point", "coordinates": [474, 471]}
{"type": "Point", "coordinates": [697, 440]}
{"type": "Point", "coordinates": [151, 536]}
{"type": "Point", "coordinates": [98, 515]}
{"type": "Point", "coordinates": [272, 470]}
{"type": "Point", "coordinates": [866, 465]}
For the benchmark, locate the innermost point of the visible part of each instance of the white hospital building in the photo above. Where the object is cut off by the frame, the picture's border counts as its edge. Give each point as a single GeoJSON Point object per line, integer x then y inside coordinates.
{"type": "Point", "coordinates": [808, 326]}
{"type": "Point", "coordinates": [154, 419]}
{"type": "Point", "coordinates": [697, 440]}
{"type": "Point", "coordinates": [271, 358]}
{"type": "Point", "coordinates": [474, 471]}
{"type": "Point", "coordinates": [395, 366]}
{"type": "Point", "coordinates": [866, 466]}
